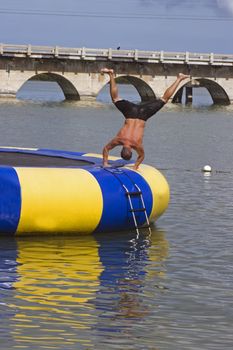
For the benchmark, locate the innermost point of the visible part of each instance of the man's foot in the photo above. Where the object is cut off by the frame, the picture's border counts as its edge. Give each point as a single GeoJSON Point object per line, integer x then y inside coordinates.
{"type": "Point", "coordinates": [107, 71]}
{"type": "Point", "coordinates": [182, 76]}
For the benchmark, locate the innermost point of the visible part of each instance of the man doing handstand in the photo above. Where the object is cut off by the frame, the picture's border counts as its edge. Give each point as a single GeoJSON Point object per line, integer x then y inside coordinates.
{"type": "Point", "coordinates": [130, 136]}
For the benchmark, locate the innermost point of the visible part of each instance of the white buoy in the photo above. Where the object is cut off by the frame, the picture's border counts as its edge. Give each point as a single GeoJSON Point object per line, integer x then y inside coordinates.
{"type": "Point", "coordinates": [207, 169]}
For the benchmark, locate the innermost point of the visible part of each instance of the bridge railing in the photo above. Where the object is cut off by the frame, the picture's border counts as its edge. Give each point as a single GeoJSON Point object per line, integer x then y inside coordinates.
{"type": "Point", "coordinates": [114, 55]}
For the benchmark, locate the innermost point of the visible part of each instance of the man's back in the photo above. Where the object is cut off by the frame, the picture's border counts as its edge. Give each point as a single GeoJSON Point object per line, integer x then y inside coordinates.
{"type": "Point", "coordinates": [132, 131]}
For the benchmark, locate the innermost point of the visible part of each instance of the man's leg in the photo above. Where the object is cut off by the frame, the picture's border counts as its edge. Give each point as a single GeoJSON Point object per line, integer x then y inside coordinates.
{"type": "Point", "coordinates": [170, 91]}
{"type": "Point", "coordinates": [113, 86]}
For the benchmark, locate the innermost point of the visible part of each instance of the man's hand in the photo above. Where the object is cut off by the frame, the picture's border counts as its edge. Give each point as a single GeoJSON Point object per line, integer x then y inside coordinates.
{"type": "Point", "coordinates": [105, 160]}
{"type": "Point", "coordinates": [141, 155]}
{"type": "Point", "coordinates": [134, 167]}
{"type": "Point", "coordinates": [106, 165]}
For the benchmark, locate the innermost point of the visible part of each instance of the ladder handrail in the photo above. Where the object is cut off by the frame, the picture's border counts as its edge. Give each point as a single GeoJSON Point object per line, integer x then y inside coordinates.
{"type": "Point", "coordinates": [143, 203]}
{"type": "Point", "coordinates": [131, 207]}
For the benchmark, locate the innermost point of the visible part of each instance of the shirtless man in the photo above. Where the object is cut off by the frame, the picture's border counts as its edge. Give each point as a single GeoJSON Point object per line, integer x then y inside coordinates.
{"type": "Point", "coordinates": [130, 136]}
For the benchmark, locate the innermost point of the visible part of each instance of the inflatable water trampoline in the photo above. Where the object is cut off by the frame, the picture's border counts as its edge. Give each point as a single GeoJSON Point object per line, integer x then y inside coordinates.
{"type": "Point", "coordinates": [52, 191]}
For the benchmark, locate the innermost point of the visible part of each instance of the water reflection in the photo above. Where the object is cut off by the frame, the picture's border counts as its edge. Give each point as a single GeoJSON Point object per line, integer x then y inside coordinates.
{"type": "Point", "coordinates": [56, 279]}
{"type": "Point", "coordinates": [133, 270]}
{"type": "Point", "coordinates": [64, 288]}
{"type": "Point", "coordinates": [127, 265]}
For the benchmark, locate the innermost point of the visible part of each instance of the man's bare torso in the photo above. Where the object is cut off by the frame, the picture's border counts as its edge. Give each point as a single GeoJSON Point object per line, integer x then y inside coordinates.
{"type": "Point", "coordinates": [132, 132]}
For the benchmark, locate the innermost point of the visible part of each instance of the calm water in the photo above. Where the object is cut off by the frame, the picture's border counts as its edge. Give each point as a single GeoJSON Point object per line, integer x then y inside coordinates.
{"type": "Point", "coordinates": [173, 290]}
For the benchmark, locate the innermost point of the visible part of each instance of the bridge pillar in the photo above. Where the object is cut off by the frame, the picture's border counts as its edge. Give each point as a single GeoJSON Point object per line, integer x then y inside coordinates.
{"type": "Point", "coordinates": [88, 85]}
{"type": "Point", "coordinates": [11, 82]}
{"type": "Point", "coordinates": [226, 84]}
{"type": "Point", "coordinates": [188, 95]}
{"type": "Point", "coordinates": [160, 83]}
{"type": "Point", "coordinates": [7, 89]}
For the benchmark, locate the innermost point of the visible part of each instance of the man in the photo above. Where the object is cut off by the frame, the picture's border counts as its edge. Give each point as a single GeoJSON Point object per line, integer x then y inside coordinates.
{"type": "Point", "coordinates": [130, 136]}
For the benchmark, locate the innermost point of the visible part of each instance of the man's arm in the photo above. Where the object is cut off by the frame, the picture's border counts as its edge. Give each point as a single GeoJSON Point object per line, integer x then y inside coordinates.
{"type": "Point", "coordinates": [141, 156]}
{"type": "Point", "coordinates": [113, 143]}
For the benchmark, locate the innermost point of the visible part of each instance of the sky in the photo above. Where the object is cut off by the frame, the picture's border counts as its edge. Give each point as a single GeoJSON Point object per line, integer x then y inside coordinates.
{"type": "Point", "coordinates": [201, 26]}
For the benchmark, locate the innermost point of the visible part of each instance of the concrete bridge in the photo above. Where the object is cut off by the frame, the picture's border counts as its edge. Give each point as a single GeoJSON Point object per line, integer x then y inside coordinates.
{"type": "Point", "coordinates": [76, 71]}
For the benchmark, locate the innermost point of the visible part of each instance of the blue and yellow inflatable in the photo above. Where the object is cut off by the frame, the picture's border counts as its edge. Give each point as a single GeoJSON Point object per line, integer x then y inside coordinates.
{"type": "Point", "coordinates": [51, 191]}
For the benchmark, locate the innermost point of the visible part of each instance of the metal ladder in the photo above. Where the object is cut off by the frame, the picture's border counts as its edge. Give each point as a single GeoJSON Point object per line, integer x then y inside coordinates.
{"type": "Point", "coordinates": [138, 194]}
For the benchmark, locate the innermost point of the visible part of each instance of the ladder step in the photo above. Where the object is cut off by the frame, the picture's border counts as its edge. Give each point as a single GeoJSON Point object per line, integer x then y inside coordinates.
{"type": "Point", "coordinates": [137, 193]}
{"type": "Point", "coordinates": [144, 226]}
{"type": "Point", "coordinates": [137, 210]}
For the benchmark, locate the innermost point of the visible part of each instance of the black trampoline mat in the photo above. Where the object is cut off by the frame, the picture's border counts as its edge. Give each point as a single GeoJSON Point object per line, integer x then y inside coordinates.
{"type": "Point", "coordinates": [38, 160]}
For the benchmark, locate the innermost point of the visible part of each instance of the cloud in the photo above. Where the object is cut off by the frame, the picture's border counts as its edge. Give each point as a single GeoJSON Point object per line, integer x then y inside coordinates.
{"type": "Point", "coordinates": [226, 5]}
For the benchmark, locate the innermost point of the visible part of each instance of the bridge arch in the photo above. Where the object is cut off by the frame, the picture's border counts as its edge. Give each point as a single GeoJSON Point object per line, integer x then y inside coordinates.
{"type": "Point", "coordinates": [216, 91]}
{"type": "Point", "coordinates": [69, 90]}
{"type": "Point", "coordinates": [145, 92]}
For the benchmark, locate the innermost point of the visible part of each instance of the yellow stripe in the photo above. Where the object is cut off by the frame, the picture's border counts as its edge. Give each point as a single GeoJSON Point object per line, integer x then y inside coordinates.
{"type": "Point", "coordinates": [55, 277]}
{"type": "Point", "coordinates": [159, 188]}
{"type": "Point", "coordinates": [157, 253]}
{"type": "Point", "coordinates": [79, 262]}
{"type": "Point", "coordinates": [97, 155]}
{"type": "Point", "coordinates": [20, 148]}
{"type": "Point", "coordinates": [59, 200]}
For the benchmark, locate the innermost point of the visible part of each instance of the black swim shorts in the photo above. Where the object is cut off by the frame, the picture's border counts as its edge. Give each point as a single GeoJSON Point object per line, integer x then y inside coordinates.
{"type": "Point", "coordinates": [142, 111]}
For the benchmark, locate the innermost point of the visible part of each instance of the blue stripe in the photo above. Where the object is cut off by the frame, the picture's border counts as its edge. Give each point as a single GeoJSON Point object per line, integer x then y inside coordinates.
{"type": "Point", "coordinates": [116, 214]}
{"type": "Point", "coordinates": [10, 200]}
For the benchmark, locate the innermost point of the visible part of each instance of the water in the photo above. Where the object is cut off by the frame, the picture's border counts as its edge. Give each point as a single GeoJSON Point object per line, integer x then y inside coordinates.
{"type": "Point", "coordinates": [173, 290]}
